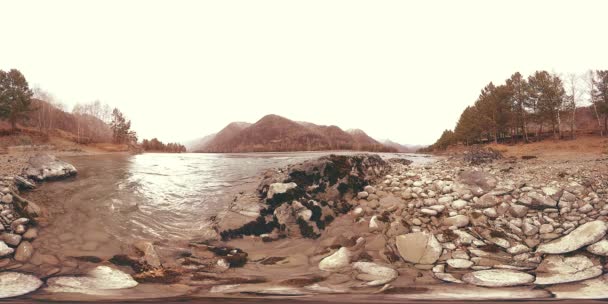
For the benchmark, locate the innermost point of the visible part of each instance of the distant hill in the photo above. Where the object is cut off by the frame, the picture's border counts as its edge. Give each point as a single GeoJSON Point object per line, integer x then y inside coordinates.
{"type": "Point", "coordinates": [273, 133]}
{"type": "Point", "coordinates": [402, 148]}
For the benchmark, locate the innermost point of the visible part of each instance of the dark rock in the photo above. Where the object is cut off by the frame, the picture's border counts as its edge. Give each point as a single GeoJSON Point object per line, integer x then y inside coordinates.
{"type": "Point", "coordinates": [477, 155]}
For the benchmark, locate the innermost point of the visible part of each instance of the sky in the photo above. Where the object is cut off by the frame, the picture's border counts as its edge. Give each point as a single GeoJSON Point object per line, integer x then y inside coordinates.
{"type": "Point", "coordinates": [402, 70]}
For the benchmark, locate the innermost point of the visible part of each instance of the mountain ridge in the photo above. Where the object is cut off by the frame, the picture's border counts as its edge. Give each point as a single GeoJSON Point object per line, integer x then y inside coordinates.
{"type": "Point", "coordinates": [274, 133]}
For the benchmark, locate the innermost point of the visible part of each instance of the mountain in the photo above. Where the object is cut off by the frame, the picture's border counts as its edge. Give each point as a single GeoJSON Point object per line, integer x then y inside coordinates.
{"type": "Point", "coordinates": [273, 133]}
{"type": "Point", "coordinates": [402, 148]}
{"type": "Point", "coordinates": [198, 143]}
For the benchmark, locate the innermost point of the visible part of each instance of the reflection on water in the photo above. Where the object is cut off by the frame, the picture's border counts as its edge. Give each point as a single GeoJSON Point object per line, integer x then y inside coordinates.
{"type": "Point", "coordinates": [153, 195]}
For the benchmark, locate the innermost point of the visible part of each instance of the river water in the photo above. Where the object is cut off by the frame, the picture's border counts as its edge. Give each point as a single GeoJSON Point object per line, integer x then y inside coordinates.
{"type": "Point", "coordinates": [152, 196]}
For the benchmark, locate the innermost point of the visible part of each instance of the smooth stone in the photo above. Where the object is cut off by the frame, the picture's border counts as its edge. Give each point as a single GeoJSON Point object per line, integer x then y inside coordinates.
{"type": "Point", "coordinates": [486, 201]}
{"type": "Point", "coordinates": [98, 280]}
{"type": "Point", "coordinates": [11, 238]}
{"type": "Point", "coordinates": [362, 195]}
{"type": "Point", "coordinates": [14, 284]}
{"type": "Point", "coordinates": [447, 277]}
{"type": "Point", "coordinates": [599, 248]}
{"type": "Point", "coordinates": [596, 288]}
{"type": "Point", "coordinates": [459, 263]}
{"type": "Point", "coordinates": [556, 269]}
{"type": "Point", "coordinates": [279, 188]}
{"type": "Point", "coordinates": [419, 247]}
{"type": "Point", "coordinates": [498, 278]}
{"type": "Point", "coordinates": [24, 251]}
{"type": "Point", "coordinates": [375, 274]}
{"type": "Point", "coordinates": [336, 261]}
{"type": "Point", "coordinates": [583, 235]}
{"type": "Point", "coordinates": [5, 250]}
{"type": "Point", "coordinates": [459, 204]}
{"type": "Point", "coordinates": [458, 221]}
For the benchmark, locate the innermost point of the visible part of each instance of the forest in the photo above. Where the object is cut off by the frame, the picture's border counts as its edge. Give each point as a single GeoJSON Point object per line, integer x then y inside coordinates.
{"type": "Point", "coordinates": [543, 105]}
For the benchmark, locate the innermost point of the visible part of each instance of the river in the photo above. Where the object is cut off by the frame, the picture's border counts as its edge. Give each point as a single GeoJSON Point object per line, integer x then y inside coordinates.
{"type": "Point", "coordinates": [152, 196]}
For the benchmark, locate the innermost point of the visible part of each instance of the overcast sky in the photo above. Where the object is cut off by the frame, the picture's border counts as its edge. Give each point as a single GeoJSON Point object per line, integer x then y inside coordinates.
{"type": "Point", "coordinates": [402, 70]}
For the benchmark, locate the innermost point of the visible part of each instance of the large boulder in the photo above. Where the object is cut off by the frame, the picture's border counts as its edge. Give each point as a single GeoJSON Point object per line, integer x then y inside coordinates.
{"type": "Point", "coordinates": [498, 278]}
{"type": "Point", "coordinates": [46, 167]}
{"type": "Point", "coordinates": [478, 182]}
{"type": "Point", "coordinates": [374, 274]}
{"type": "Point", "coordinates": [13, 284]}
{"type": "Point", "coordinates": [419, 247]}
{"type": "Point", "coordinates": [556, 269]}
{"type": "Point", "coordinates": [583, 235]}
{"type": "Point", "coordinates": [337, 261]}
{"type": "Point", "coordinates": [97, 281]}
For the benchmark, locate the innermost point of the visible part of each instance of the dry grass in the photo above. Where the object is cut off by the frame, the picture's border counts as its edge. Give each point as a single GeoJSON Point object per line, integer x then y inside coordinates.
{"type": "Point", "coordinates": [584, 146]}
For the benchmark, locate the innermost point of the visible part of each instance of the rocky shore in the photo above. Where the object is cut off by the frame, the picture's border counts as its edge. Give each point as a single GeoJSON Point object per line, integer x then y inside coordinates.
{"type": "Point", "coordinates": [466, 227]}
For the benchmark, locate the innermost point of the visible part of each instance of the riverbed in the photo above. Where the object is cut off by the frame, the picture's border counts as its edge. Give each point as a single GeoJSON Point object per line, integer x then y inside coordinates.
{"type": "Point", "coordinates": [117, 199]}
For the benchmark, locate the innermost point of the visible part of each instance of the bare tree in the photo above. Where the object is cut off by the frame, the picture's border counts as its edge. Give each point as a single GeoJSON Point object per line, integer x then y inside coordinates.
{"type": "Point", "coordinates": [591, 85]}
{"type": "Point", "coordinates": [572, 99]}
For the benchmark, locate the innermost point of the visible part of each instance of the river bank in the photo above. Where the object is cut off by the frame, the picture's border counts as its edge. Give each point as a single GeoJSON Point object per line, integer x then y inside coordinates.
{"type": "Point", "coordinates": [444, 230]}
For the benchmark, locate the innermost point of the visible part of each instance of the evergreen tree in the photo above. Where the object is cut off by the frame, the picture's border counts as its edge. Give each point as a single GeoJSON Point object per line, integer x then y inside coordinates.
{"type": "Point", "coordinates": [15, 97]}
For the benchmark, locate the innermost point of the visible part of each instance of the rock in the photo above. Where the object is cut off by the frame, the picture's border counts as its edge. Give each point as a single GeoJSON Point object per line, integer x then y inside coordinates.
{"type": "Point", "coordinates": [518, 211]}
{"type": "Point", "coordinates": [11, 238]}
{"type": "Point", "coordinates": [362, 195]}
{"type": "Point", "coordinates": [545, 228]}
{"type": "Point", "coordinates": [585, 208]}
{"type": "Point", "coordinates": [459, 263]}
{"type": "Point", "coordinates": [24, 251]}
{"type": "Point", "coordinates": [478, 182]}
{"type": "Point", "coordinates": [44, 167]}
{"type": "Point", "coordinates": [584, 235]}
{"type": "Point", "coordinates": [150, 256]}
{"type": "Point", "coordinates": [24, 183]}
{"type": "Point", "coordinates": [428, 211]}
{"type": "Point", "coordinates": [6, 199]}
{"type": "Point", "coordinates": [529, 229]}
{"type": "Point", "coordinates": [31, 234]}
{"type": "Point", "coordinates": [375, 274]}
{"type": "Point", "coordinates": [539, 201]}
{"type": "Point", "coordinates": [459, 204]}
{"type": "Point", "coordinates": [374, 225]}
{"type": "Point", "coordinates": [589, 289]}
{"type": "Point", "coordinates": [518, 249]}
{"type": "Point", "coordinates": [14, 284]}
{"type": "Point", "coordinates": [458, 221]}
{"type": "Point", "coordinates": [599, 248]}
{"type": "Point", "coordinates": [486, 201]}
{"type": "Point", "coordinates": [490, 212]}
{"type": "Point", "coordinates": [279, 188]}
{"type": "Point", "coordinates": [369, 189]}
{"type": "Point", "coordinates": [419, 247]}
{"type": "Point", "coordinates": [556, 269]}
{"type": "Point", "coordinates": [498, 278]}
{"type": "Point", "coordinates": [447, 277]}
{"type": "Point", "coordinates": [337, 261]}
{"type": "Point", "coordinates": [97, 281]}
{"type": "Point", "coordinates": [5, 250]}
{"type": "Point", "coordinates": [19, 222]}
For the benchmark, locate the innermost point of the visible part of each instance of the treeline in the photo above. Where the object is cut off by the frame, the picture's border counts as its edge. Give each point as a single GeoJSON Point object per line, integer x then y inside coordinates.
{"type": "Point", "coordinates": [525, 109]}
{"type": "Point", "coordinates": [87, 123]}
{"type": "Point", "coordinates": [155, 145]}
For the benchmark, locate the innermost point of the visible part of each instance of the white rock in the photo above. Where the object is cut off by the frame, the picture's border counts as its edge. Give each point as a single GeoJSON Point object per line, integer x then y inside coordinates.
{"type": "Point", "coordinates": [583, 235]}
{"type": "Point", "coordinates": [375, 274]}
{"type": "Point", "coordinates": [557, 269]}
{"type": "Point", "coordinates": [459, 204]}
{"type": "Point", "coordinates": [458, 221]}
{"type": "Point", "coordinates": [459, 263]}
{"type": "Point", "coordinates": [13, 284]}
{"type": "Point", "coordinates": [97, 281]}
{"type": "Point", "coordinates": [5, 250]}
{"type": "Point", "coordinates": [278, 188]}
{"type": "Point", "coordinates": [599, 248]}
{"type": "Point", "coordinates": [362, 195]}
{"type": "Point", "coordinates": [498, 278]}
{"type": "Point", "coordinates": [337, 261]}
{"type": "Point", "coordinates": [419, 247]}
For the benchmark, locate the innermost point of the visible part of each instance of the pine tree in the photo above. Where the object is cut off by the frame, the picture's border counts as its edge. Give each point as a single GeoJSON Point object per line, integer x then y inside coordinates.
{"type": "Point", "coordinates": [15, 97]}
